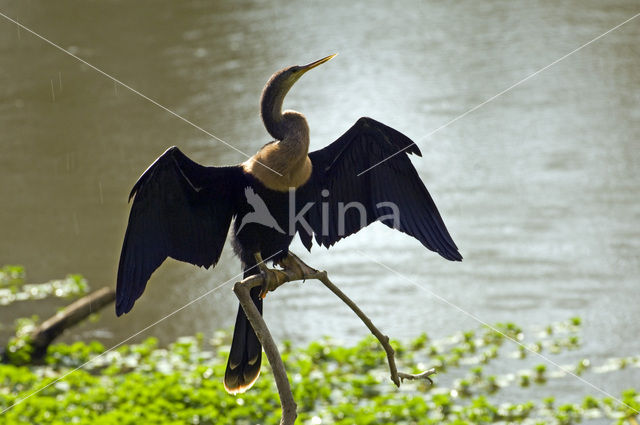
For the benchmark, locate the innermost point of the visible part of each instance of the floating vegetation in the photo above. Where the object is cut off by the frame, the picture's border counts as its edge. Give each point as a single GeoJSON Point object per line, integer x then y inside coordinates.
{"type": "Point", "coordinates": [14, 288]}
{"type": "Point", "coordinates": [332, 384]}
{"type": "Point", "coordinates": [19, 349]}
{"type": "Point", "coordinates": [540, 373]}
{"type": "Point", "coordinates": [144, 383]}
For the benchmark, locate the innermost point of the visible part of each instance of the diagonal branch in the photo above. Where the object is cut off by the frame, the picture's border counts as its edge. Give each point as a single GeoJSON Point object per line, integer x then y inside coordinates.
{"type": "Point", "coordinates": [294, 270]}
{"type": "Point", "coordinates": [396, 377]}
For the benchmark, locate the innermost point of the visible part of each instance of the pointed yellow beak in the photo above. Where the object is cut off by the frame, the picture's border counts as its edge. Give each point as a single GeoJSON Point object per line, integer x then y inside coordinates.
{"type": "Point", "coordinates": [312, 65]}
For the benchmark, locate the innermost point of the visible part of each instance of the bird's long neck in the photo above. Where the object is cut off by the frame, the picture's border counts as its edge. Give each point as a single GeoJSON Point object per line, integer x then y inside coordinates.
{"type": "Point", "coordinates": [289, 128]}
{"type": "Point", "coordinates": [271, 110]}
{"type": "Point", "coordinates": [287, 156]}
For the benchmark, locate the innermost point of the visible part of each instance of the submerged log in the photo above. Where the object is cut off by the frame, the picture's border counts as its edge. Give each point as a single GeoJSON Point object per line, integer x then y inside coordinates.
{"type": "Point", "coordinates": [69, 316]}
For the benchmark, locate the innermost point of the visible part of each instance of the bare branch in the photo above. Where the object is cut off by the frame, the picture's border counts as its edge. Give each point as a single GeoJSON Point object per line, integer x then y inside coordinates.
{"type": "Point", "coordinates": [242, 291]}
{"type": "Point", "coordinates": [424, 375]}
{"type": "Point", "coordinates": [396, 376]}
{"type": "Point", "coordinates": [71, 315]}
{"type": "Point", "coordinates": [294, 270]}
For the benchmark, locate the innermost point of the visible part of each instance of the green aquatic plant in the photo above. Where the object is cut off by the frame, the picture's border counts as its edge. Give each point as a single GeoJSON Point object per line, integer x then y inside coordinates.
{"type": "Point", "coordinates": [540, 373]}
{"type": "Point", "coordinates": [13, 286]}
{"type": "Point", "coordinates": [19, 350]}
{"type": "Point", "coordinates": [332, 384]}
{"type": "Point", "coordinates": [11, 275]}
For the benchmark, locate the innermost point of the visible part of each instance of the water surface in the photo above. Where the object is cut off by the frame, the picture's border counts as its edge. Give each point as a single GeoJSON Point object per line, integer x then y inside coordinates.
{"type": "Point", "coordinates": [539, 187]}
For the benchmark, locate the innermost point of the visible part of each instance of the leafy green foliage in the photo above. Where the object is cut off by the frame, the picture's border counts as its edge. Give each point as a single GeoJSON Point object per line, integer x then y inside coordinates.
{"type": "Point", "coordinates": [82, 383]}
{"type": "Point", "coordinates": [13, 286]}
{"type": "Point", "coordinates": [11, 275]}
{"type": "Point", "coordinates": [19, 349]}
{"type": "Point", "coordinates": [332, 384]}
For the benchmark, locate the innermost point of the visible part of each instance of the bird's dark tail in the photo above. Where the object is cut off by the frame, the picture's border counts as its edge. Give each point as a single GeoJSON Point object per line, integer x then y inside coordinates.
{"type": "Point", "coordinates": [245, 357]}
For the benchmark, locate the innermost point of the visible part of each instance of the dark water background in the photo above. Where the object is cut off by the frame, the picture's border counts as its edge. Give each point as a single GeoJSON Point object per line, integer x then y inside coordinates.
{"type": "Point", "coordinates": [539, 187]}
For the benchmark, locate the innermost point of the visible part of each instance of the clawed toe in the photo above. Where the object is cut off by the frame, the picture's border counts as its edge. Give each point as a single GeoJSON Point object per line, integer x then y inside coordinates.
{"type": "Point", "coordinates": [293, 263]}
{"type": "Point", "coordinates": [265, 284]}
{"type": "Point", "coordinates": [271, 280]}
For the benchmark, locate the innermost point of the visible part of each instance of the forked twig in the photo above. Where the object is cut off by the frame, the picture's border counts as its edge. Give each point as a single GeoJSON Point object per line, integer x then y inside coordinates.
{"type": "Point", "coordinates": [242, 290]}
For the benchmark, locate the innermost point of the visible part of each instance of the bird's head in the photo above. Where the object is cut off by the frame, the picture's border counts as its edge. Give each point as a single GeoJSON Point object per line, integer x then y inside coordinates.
{"type": "Point", "coordinates": [287, 77]}
{"type": "Point", "coordinates": [276, 89]}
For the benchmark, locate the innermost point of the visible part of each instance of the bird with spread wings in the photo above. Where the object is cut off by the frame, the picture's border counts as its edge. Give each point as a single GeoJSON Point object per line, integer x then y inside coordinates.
{"type": "Point", "coordinates": [183, 210]}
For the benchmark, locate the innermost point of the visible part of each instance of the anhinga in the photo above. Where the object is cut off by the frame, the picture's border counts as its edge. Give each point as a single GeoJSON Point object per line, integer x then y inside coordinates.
{"type": "Point", "coordinates": [183, 210]}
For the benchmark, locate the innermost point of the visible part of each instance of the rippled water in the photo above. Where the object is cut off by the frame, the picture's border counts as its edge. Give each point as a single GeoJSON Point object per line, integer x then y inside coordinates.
{"type": "Point", "coordinates": [539, 187]}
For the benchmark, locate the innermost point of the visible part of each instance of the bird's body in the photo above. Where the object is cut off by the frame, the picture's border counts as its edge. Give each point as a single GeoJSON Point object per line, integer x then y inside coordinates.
{"type": "Point", "coordinates": [254, 236]}
{"type": "Point", "coordinates": [183, 210]}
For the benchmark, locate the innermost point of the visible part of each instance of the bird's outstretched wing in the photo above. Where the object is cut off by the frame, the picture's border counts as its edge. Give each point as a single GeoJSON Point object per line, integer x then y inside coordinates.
{"type": "Point", "coordinates": [340, 197]}
{"type": "Point", "coordinates": [180, 210]}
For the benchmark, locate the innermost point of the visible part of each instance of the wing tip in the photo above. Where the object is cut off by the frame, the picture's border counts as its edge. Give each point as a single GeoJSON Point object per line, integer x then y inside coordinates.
{"type": "Point", "coordinates": [123, 306]}
{"type": "Point", "coordinates": [449, 251]}
{"type": "Point", "coordinates": [120, 310]}
{"type": "Point", "coordinates": [454, 256]}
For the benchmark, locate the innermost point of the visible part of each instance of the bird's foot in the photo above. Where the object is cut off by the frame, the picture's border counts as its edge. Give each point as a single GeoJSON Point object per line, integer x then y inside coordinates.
{"type": "Point", "coordinates": [294, 264]}
{"type": "Point", "coordinates": [271, 278]}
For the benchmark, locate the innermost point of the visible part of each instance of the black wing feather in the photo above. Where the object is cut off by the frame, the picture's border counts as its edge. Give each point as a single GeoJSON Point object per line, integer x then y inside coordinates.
{"type": "Point", "coordinates": [336, 168]}
{"type": "Point", "coordinates": [181, 210]}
